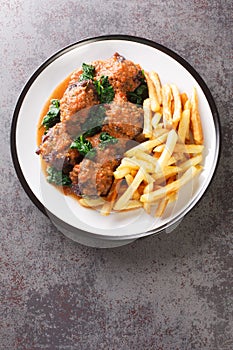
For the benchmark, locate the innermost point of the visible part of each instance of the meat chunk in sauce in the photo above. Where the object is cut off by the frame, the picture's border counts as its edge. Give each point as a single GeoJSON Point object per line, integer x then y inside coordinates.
{"type": "Point", "coordinates": [95, 176]}
{"type": "Point", "coordinates": [123, 75]}
{"type": "Point", "coordinates": [55, 148]}
{"type": "Point", "coordinates": [78, 96]}
{"type": "Point", "coordinates": [123, 120]}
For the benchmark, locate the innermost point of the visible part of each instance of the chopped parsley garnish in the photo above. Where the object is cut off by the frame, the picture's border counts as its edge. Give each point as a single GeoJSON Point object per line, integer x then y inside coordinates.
{"type": "Point", "coordinates": [88, 72]}
{"type": "Point", "coordinates": [83, 146]}
{"type": "Point", "coordinates": [53, 115]}
{"type": "Point", "coordinates": [139, 94]}
{"type": "Point", "coordinates": [57, 177]}
{"type": "Point", "coordinates": [94, 120]}
{"type": "Point", "coordinates": [104, 89]}
{"type": "Point", "coordinates": [106, 139]}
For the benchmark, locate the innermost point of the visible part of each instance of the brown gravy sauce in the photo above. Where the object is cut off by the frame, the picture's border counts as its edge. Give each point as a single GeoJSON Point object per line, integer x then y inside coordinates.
{"type": "Point", "coordinates": [57, 93]}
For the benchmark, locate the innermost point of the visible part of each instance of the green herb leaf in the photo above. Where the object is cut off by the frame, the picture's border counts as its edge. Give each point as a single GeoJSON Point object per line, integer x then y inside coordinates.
{"type": "Point", "coordinates": [94, 120]}
{"type": "Point", "coordinates": [88, 72]}
{"type": "Point", "coordinates": [83, 146]}
{"type": "Point", "coordinates": [106, 139]}
{"type": "Point", "coordinates": [104, 89]}
{"type": "Point", "coordinates": [139, 94]}
{"type": "Point", "coordinates": [53, 115]}
{"type": "Point", "coordinates": [57, 177]}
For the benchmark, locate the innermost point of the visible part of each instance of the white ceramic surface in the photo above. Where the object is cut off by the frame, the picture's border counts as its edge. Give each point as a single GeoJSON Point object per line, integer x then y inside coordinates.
{"type": "Point", "coordinates": [118, 226]}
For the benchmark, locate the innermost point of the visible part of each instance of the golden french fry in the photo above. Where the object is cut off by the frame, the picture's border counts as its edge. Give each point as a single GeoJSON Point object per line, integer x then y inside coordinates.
{"type": "Point", "coordinates": [156, 81]}
{"type": "Point", "coordinates": [155, 105]}
{"type": "Point", "coordinates": [158, 132]}
{"type": "Point", "coordinates": [175, 158]}
{"type": "Point", "coordinates": [136, 195]}
{"type": "Point", "coordinates": [167, 112]}
{"type": "Point", "coordinates": [187, 105]}
{"type": "Point", "coordinates": [88, 202]}
{"type": "Point", "coordinates": [168, 148]}
{"type": "Point", "coordinates": [111, 197]}
{"type": "Point", "coordinates": [172, 197]}
{"type": "Point", "coordinates": [177, 105]}
{"type": "Point", "coordinates": [129, 179]}
{"type": "Point", "coordinates": [192, 148]}
{"type": "Point", "coordinates": [144, 164]}
{"type": "Point", "coordinates": [121, 172]}
{"type": "Point", "coordinates": [162, 205]}
{"type": "Point", "coordinates": [132, 204]}
{"type": "Point", "coordinates": [106, 208]}
{"type": "Point", "coordinates": [147, 145]}
{"type": "Point", "coordinates": [148, 189]}
{"type": "Point", "coordinates": [147, 129]}
{"type": "Point", "coordinates": [156, 119]}
{"type": "Point", "coordinates": [167, 171]}
{"type": "Point", "coordinates": [174, 186]}
{"type": "Point", "coordinates": [195, 119]}
{"type": "Point", "coordinates": [128, 163]}
{"type": "Point", "coordinates": [127, 195]}
{"type": "Point", "coordinates": [184, 125]}
{"type": "Point", "coordinates": [133, 172]}
{"type": "Point", "coordinates": [146, 157]}
{"type": "Point", "coordinates": [183, 98]}
{"type": "Point", "coordinates": [191, 162]}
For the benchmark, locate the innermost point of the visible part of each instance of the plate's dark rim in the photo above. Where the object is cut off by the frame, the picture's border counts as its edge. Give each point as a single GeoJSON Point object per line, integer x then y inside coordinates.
{"type": "Point", "coordinates": [144, 41]}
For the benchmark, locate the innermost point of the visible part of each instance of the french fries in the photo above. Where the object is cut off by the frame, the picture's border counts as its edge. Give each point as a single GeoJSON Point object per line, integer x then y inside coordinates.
{"type": "Point", "coordinates": [153, 172]}
{"type": "Point", "coordinates": [168, 148]}
{"type": "Point", "coordinates": [157, 84]}
{"type": "Point", "coordinates": [177, 105]}
{"type": "Point", "coordinates": [172, 187]}
{"type": "Point", "coordinates": [179, 148]}
{"type": "Point", "coordinates": [147, 130]}
{"type": "Point", "coordinates": [196, 119]}
{"type": "Point", "coordinates": [155, 106]}
{"type": "Point", "coordinates": [124, 199]}
{"type": "Point", "coordinates": [167, 106]}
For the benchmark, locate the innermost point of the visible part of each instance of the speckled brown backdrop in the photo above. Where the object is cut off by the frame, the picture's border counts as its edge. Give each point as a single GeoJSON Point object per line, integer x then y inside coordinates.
{"type": "Point", "coordinates": [172, 291]}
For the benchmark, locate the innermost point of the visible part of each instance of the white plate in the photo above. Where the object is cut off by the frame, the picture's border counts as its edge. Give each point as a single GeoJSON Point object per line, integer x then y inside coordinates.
{"type": "Point", "coordinates": [171, 68]}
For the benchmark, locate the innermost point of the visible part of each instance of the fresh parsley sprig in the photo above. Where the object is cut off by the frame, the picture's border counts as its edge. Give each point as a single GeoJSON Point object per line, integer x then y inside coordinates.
{"type": "Point", "coordinates": [57, 177]}
{"type": "Point", "coordinates": [139, 94]}
{"type": "Point", "coordinates": [104, 89]}
{"type": "Point", "coordinates": [106, 139]}
{"type": "Point", "coordinates": [88, 72]}
{"type": "Point", "coordinates": [53, 115]}
{"type": "Point", "coordinates": [84, 147]}
{"type": "Point", "coordinates": [94, 121]}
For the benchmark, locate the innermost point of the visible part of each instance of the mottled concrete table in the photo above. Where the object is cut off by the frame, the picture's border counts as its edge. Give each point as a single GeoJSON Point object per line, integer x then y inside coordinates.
{"type": "Point", "coordinates": [172, 291]}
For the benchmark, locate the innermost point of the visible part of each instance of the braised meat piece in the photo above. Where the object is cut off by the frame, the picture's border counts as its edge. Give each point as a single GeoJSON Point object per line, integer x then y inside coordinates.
{"type": "Point", "coordinates": [78, 95]}
{"type": "Point", "coordinates": [55, 148]}
{"type": "Point", "coordinates": [82, 114]}
{"type": "Point", "coordinates": [123, 75]}
{"type": "Point", "coordinates": [95, 176]}
{"type": "Point", "coordinates": [123, 120]}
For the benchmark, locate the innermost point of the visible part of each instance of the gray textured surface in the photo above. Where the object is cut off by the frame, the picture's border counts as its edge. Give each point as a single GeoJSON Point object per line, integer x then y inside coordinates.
{"type": "Point", "coordinates": [168, 292]}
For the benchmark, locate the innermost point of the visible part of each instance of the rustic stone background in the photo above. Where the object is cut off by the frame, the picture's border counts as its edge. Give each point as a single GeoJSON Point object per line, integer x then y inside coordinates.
{"type": "Point", "coordinates": [172, 291]}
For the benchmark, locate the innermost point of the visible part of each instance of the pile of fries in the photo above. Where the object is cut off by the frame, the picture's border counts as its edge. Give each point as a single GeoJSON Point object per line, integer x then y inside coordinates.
{"type": "Point", "coordinates": [152, 173]}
